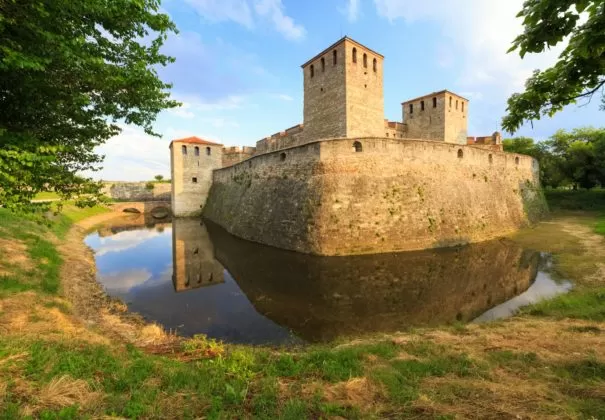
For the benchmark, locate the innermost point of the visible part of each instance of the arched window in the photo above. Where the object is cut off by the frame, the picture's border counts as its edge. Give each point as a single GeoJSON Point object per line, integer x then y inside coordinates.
{"type": "Point", "coordinates": [450, 101]}
{"type": "Point", "coordinates": [434, 102]}
{"type": "Point", "coordinates": [422, 105]}
{"type": "Point", "coordinates": [334, 57]}
{"type": "Point", "coordinates": [312, 70]}
{"type": "Point", "coordinates": [411, 108]}
{"type": "Point", "coordinates": [365, 60]}
{"type": "Point", "coordinates": [357, 147]}
{"type": "Point", "coordinates": [456, 103]}
{"type": "Point", "coordinates": [208, 151]}
{"type": "Point", "coordinates": [184, 149]}
{"type": "Point", "coordinates": [462, 106]}
{"type": "Point", "coordinates": [197, 151]}
{"type": "Point", "coordinates": [323, 64]}
{"type": "Point", "coordinates": [282, 156]}
{"type": "Point", "coordinates": [460, 154]}
{"type": "Point", "coordinates": [490, 158]}
{"type": "Point", "coordinates": [375, 65]}
{"type": "Point", "coordinates": [517, 160]}
{"type": "Point", "coordinates": [355, 55]}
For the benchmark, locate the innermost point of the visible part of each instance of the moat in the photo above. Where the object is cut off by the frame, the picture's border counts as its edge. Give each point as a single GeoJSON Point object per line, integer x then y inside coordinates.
{"type": "Point", "coordinates": [194, 278]}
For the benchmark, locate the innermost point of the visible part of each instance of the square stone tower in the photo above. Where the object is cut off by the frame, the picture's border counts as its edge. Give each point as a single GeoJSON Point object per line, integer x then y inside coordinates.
{"type": "Point", "coordinates": [343, 92]}
{"type": "Point", "coordinates": [437, 116]}
{"type": "Point", "coordinates": [192, 161]}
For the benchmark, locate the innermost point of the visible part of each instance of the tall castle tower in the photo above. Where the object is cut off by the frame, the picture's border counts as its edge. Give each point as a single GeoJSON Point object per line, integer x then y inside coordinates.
{"type": "Point", "coordinates": [343, 92]}
{"type": "Point", "coordinates": [192, 161]}
{"type": "Point", "coordinates": [438, 116]}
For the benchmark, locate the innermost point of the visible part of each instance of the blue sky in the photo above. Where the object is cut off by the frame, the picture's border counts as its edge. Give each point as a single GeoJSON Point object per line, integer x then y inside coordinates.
{"type": "Point", "coordinates": [237, 69]}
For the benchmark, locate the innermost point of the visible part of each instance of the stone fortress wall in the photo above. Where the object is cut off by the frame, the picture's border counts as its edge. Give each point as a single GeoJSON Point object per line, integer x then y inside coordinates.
{"type": "Point", "coordinates": [385, 195]}
{"type": "Point", "coordinates": [347, 181]}
{"type": "Point", "coordinates": [136, 191]}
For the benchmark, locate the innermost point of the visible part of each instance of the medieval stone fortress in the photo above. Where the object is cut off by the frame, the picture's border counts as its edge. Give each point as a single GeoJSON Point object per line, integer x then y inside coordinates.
{"type": "Point", "coordinates": [347, 181]}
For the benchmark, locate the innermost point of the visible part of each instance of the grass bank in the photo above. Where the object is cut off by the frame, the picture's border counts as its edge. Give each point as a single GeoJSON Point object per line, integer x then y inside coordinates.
{"type": "Point", "coordinates": [547, 363]}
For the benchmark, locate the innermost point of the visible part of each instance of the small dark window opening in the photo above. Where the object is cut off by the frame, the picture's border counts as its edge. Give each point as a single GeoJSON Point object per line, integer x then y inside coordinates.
{"type": "Point", "coordinates": [334, 57]}
{"type": "Point", "coordinates": [358, 147]}
{"type": "Point", "coordinates": [456, 103]}
{"type": "Point", "coordinates": [194, 180]}
{"type": "Point", "coordinates": [434, 102]}
{"type": "Point", "coordinates": [184, 149]}
{"type": "Point", "coordinates": [282, 156]}
{"type": "Point", "coordinates": [312, 70]}
{"type": "Point", "coordinates": [197, 151]}
{"type": "Point", "coordinates": [411, 108]}
{"type": "Point", "coordinates": [422, 105]}
{"type": "Point", "coordinates": [462, 106]}
{"type": "Point", "coordinates": [450, 101]}
{"type": "Point", "coordinates": [490, 158]}
{"type": "Point", "coordinates": [365, 60]}
{"type": "Point", "coordinates": [460, 154]}
{"type": "Point", "coordinates": [323, 64]}
{"type": "Point", "coordinates": [208, 151]}
{"type": "Point", "coordinates": [355, 55]}
{"type": "Point", "coordinates": [516, 160]}
{"type": "Point", "coordinates": [375, 65]}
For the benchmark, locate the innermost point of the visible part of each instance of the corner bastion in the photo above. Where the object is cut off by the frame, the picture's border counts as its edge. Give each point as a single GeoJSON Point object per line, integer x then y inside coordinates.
{"type": "Point", "coordinates": [373, 195]}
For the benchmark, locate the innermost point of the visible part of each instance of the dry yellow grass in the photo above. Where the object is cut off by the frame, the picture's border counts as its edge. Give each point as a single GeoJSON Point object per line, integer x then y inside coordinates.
{"type": "Point", "coordinates": [13, 254]}
{"type": "Point", "coordinates": [29, 315]}
{"type": "Point", "coordinates": [62, 391]}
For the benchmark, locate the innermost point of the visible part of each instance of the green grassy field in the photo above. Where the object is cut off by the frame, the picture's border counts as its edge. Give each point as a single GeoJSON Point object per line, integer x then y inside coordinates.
{"type": "Point", "coordinates": [549, 362]}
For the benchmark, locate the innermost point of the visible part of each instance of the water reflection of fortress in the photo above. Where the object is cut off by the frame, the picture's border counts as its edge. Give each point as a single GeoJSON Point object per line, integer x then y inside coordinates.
{"type": "Point", "coordinates": [193, 259]}
{"type": "Point", "coordinates": [320, 298]}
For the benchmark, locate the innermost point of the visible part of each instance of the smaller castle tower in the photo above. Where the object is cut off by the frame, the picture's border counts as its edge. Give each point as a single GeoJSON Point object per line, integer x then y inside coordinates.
{"type": "Point", "coordinates": [437, 116]}
{"type": "Point", "coordinates": [192, 161]}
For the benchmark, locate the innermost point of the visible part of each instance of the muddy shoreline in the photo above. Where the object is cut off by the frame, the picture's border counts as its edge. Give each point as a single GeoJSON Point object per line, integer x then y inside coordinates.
{"type": "Point", "coordinates": [90, 302]}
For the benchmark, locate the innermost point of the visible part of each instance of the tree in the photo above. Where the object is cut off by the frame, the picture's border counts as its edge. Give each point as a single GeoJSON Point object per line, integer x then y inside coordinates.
{"type": "Point", "coordinates": [582, 155]}
{"type": "Point", "coordinates": [580, 69]}
{"type": "Point", "coordinates": [159, 178]}
{"type": "Point", "coordinates": [522, 145]}
{"type": "Point", "coordinates": [551, 173]}
{"type": "Point", "coordinates": [70, 71]}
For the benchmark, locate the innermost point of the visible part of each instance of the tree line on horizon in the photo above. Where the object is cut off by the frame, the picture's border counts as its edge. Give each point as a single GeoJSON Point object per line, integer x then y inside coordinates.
{"type": "Point", "coordinates": [568, 159]}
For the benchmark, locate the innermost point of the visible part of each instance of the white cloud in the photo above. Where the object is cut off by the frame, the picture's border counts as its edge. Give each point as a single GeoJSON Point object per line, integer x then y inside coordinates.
{"type": "Point", "coordinates": [124, 240]}
{"type": "Point", "coordinates": [274, 10]}
{"type": "Point", "coordinates": [476, 37]}
{"type": "Point", "coordinates": [224, 10]}
{"type": "Point", "coordinates": [133, 155]}
{"type": "Point", "coordinates": [352, 10]}
{"type": "Point", "coordinates": [284, 97]}
{"type": "Point", "coordinates": [191, 104]}
{"type": "Point", "coordinates": [240, 11]}
{"type": "Point", "coordinates": [120, 283]}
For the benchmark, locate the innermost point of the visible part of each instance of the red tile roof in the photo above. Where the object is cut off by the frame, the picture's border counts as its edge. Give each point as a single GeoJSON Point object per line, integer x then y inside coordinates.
{"type": "Point", "coordinates": [195, 140]}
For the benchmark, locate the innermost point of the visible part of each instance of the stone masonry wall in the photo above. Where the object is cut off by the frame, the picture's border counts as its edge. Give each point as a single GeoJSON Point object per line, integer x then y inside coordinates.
{"type": "Point", "coordinates": [325, 96]}
{"type": "Point", "coordinates": [428, 123]}
{"type": "Point", "coordinates": [271, 198]}
{"type": "Point", "coordinates": [456, 119]}
{"type": "Point", "coordinates": [191, 175]}
{"type": "Point", "coordinates": [236, 154]}
{"type": "Point", "coordinates": [364, 92]}
{"type": "Point", "coordinates": [136, 191]}
{"type": "Point", "coordinates": [325, 198]}
{"type": "Point", "coordinates": [293, 136]}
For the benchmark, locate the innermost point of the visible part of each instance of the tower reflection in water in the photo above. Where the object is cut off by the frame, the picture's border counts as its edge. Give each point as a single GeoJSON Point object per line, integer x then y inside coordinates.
{"type": "Point", "coordinates": [321, 298]}
{"type": "Point", "coordinates": [193, 259]}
